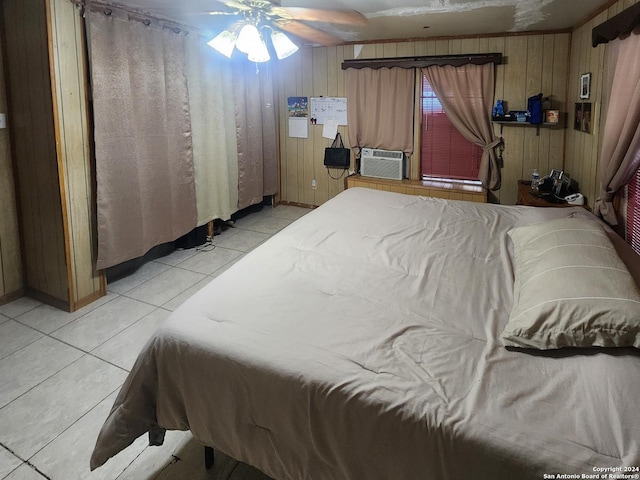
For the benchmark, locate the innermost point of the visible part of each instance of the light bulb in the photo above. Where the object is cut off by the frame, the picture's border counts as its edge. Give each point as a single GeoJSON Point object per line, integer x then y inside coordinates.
{"type": "Point", "coordinates": [282, 44]}
{"type": "Point", "coordinates": [248, 38]}
{"type": "Point", "coordinates": [224, 43]}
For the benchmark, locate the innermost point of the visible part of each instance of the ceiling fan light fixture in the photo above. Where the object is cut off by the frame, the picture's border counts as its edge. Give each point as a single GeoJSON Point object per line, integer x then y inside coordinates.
{"type": "Point", "coordinates": [248, 39]}
{"type": "Point", "coordinates": [282, 44]}
{"type": "Point", "coordinates": [224, 43]}
{"type": "Point", "coordinates": [259, 53]}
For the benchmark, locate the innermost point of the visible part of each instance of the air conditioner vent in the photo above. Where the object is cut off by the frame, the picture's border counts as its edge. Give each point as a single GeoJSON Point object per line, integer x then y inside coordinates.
{"type": "Point", "coordinates": [388, 164]}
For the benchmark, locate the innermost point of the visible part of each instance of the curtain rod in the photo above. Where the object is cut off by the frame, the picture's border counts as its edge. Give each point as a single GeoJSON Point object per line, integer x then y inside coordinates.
{"type": "Point", "coordinates": [425, 61]}
{"type": "Point", "coordinates": [186, 28]}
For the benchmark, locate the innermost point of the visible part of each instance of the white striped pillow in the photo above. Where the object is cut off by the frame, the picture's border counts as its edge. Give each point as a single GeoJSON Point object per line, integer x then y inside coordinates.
{"type": "Point", "coordinates": [571, 289]}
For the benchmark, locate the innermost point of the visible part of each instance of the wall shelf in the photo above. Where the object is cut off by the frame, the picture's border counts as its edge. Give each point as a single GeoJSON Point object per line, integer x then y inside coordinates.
{"type": "Point", "coordinates": [527, 124]}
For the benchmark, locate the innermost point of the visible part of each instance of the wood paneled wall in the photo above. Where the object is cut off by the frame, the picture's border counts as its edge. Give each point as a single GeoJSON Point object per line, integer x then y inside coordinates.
{"type": "Point", "coordinates": [33, 142]}
{"type": "Point", "coordinates": [11, 278]}
{"type": "Point", "coordinates": [583, 149]}
{"type": "Point", "coordinates": [311, 72]}
{"type": "Point", "coordinates": [69, 67]}
{"type": "Point", "coordinates": [533, 64]}
{"type": "Point", "coordinates": [46, 73]}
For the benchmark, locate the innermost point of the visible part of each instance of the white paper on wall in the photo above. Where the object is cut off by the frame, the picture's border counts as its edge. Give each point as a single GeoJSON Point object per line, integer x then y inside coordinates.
{"type": "Point", "coordinates": [330, 128]}
{"type": "Point", "coordinates": [299, 127]}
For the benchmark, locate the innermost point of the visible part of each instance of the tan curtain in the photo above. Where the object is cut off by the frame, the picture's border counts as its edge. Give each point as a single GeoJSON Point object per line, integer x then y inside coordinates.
{"type": "Point", "coordinates": [620, 152]}
{"type": "Point", "coordinates": [380, 108]}
{"type": "Point", "coordinates": [466, 93]}
{"type": "Point", "coordinates": [256, 132]}
{"type": "Point", "coordinates": [144, 167]}
{"type": "Point", "coordinates": [215, 151]}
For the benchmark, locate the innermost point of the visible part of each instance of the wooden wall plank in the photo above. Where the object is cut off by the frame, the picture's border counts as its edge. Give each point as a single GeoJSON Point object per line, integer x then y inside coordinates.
{"type": "Point", "coordinates": [32, 111]}
{"type": "Point", "coordinates": [515, 96]}
{"type": "Point", "coordinates": [73, 151]}
{"type": "Point", "coordinates": [299, 158]}
{"type": "Point", "coordinates": [333, 71]}
{"type": "Point", "coordinates": [559, 95]}
{"type": "Point", "coordinates": [308, 193]}
{"type": "Point", "coordinates": [289, 161]}
{"type": "Point", "coordinates": [531, 151]}
{"type": "Point", "coordinates": [11, 276]}
{"type": "Point", "coordinates": [320, 88]}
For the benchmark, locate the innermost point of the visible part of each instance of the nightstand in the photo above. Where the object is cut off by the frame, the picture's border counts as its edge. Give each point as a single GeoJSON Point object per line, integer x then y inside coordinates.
{"type": "Point", "coordinates": [526, 197]}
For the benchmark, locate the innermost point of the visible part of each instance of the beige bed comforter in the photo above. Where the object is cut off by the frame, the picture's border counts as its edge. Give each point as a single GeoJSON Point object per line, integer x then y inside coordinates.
{"type": "Point", "coordinates": [362, 343]}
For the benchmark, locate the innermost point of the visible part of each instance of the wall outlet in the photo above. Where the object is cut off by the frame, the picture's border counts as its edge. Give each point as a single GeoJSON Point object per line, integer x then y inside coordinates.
{"type": "Point", "coordinates": [314, 184]}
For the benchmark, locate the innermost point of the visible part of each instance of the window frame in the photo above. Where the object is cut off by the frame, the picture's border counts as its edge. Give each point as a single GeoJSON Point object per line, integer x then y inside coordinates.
{"type": "Point", "coordinates": [471, 177]}
{"type": "Point", "coordinates": [632, 213]}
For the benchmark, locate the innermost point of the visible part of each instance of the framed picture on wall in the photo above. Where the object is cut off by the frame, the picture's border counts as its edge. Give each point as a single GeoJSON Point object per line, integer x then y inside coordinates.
{"type": "Point", "coordinates": [583, 117]}
{"type": "Point", "coordinates": [577, 123]}
{"type": "Point", "coordinates": [586, 117]}
{"type": "Point", "coordinates": [585, 85]}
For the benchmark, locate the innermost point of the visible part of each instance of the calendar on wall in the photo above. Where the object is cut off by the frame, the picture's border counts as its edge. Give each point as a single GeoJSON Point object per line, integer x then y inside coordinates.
{"type": "Point", "coordinates": [323, 109]}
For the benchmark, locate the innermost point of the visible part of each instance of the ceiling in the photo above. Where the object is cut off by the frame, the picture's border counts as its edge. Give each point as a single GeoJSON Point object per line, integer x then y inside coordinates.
{"type": "Point", "coordinates": [401, 19]}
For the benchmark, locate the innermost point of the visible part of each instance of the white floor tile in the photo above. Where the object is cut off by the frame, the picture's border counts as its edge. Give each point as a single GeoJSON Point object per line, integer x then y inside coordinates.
{"type": "Point", "coordinates": [227, 266]}
{"type": "Point", "coordinates": [32, 364]}
{"type": "Point", "coordinates": [288, 211]}
{"type": "Point", "coordinates": [32, 421]}
{"type": "Point", "coordinates": [241, 240]}
{"type": "Point", "coordinates": [175, 302]}
{"type": "Point", "coordinates": [14, 336]}
{"type": "Point", "coordinates": [189, 463]}
{"type": "Point", "coordinates": [19, 306]}
{"type": "Point", "coordinates": [104, 322]}
{"type": "Point", "coordinates": [122, 350]}
{"type": "Point", "coordinates": [266, 224]}
{"type": "Point", "coordinates": [8, 462]}
{"type": "Point", "coordinates": [3, 319]}
{"type": "Point", "coordinates": [210, 261]}
{"type": "Point", "coordinates": [176, 257]}
{"type": "Point", "coordinates": [67, 457]}
{"type": "Point", "coordinates": [24, 472]}
{"type": "Point", "coordinates": [144, 273]}
{"type": "Point", "coordinates": [153, 460]}
{"type": "Point", "coordinates": [165, 286]}
{"type": "Point", "coordinates": [47, 319]}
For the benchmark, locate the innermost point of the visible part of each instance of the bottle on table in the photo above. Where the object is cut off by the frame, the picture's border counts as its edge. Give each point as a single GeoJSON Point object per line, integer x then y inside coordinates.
{"type": "Point", "coordinates": [535, 179]}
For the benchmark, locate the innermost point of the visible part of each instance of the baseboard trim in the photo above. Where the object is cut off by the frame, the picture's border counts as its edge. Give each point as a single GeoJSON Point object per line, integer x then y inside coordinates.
{"type": "Point", "coordinates": [10, 297]}
{"type": "Point", "coordinates": [295, 204]}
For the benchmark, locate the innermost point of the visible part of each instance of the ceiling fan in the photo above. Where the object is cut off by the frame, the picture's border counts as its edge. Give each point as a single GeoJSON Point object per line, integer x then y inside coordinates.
{"type": "Point", "coordinates": [256, 19]}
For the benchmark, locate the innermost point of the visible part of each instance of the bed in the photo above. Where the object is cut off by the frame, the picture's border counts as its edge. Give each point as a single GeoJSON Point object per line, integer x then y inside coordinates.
{"type": "Point", "coordinates": [365, 341]}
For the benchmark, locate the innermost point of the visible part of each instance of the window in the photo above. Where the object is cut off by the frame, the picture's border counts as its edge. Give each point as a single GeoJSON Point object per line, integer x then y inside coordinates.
{"type": "Point", "coordinates": [633, 212]}
{"type": "Point", "coordinates": [445, 153]}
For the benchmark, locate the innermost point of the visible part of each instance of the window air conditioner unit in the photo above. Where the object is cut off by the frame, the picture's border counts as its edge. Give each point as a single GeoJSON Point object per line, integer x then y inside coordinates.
{"type": "Point", "coordinates": [382, 163]}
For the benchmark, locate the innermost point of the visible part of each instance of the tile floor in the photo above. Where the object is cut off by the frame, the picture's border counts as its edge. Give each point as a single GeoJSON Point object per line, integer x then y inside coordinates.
{"type": "Point", "coordinates": [60, 372]}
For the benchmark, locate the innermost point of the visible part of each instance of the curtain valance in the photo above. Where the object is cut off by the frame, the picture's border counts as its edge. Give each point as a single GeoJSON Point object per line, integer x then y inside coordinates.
{"type": "Point", "coordinates": [424, 62]}
{"type": "Point", "coordinates": [620, 25]}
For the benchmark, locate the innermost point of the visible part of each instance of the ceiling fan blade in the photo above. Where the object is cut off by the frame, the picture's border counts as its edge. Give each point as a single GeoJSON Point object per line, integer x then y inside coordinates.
{"type": "Point", "coordinates": [239, 5]}
{"type": "Point", "coordinates": [199, 7]}
{"type": "Point", "coordinates": [345, 17]}
{"type": "Point", "coordinates": [310, 34]}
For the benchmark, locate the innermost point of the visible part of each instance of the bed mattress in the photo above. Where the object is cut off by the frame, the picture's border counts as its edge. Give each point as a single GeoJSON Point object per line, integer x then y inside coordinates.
{"type": "Point", "coordinates": [363, 342]}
